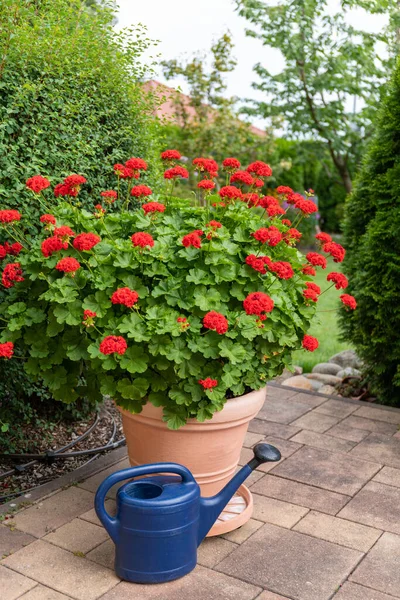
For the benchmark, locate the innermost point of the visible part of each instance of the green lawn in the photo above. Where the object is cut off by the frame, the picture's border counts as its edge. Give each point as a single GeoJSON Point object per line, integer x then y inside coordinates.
{"type": "Point", "coordinates": [324, 327]}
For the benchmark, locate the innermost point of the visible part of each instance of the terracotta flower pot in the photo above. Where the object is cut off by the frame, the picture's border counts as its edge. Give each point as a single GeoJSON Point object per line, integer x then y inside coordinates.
{"type": "Point", "coordinates": [211, 450]}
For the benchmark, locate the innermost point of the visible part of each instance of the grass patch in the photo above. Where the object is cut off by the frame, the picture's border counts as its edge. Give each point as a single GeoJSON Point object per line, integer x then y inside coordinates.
{"type": "Point", "coordinates": [325, 325]}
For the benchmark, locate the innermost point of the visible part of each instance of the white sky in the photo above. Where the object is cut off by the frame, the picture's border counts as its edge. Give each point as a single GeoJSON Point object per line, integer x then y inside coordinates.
{"type": "Point", "coordinates": [184, 27]}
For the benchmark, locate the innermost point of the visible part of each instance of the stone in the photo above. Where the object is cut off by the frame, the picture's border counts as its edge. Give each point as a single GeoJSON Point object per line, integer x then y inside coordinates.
{"type": "Point", "coordinates": [299, 493]}
{"type": "Point", "coordinates": [40, 592]}
{"type": "Point", "coordinates": [275, 409]}
{"type": "Point", "coordinates": [321, 440]}
{"type": "Point", "coordinates": [13, 585]}
{"type": "Point", "coordinates": [90, 515]}
{"type": "Point", "coordinates": [12, 540]}
{"type": "Point", "coordinates": [298, 381]}
{"type": "Point", "coordinates": [329, 390]}
{"type": "Point", "coordinates": [270, 428]}
{"type": "Point", "coordinates": [244, 532]}
{"type": "Point", "coordinates": [56, 568]}
{"type": "Point", "coordinates": [389, 476]}
{"type": "Point", "coordinates": [379, 448]}
{"type": "Point", "coordinates": [200, 584]}
{"type": "Point", "coordinates": [348, 372]}
{"type": "Point", "coordinates": [271, 596]}
{"type": "Point", "coordinates": [369, 425]}
{"type": "Point", "coordinates": [380, 568]}
{"type": "Point", "coordinates": [324, 379]}
{"type": "Point", "coordinates": [251, 439]}
{"type": "Point", "coordinates": [291, 564]}
{"type": "Point", "coordinates": [376, 505]}
{"type": "Point", "coordinates": [336, 472]}
{"type": "Point", "coordinates": [92, 483]}
{"type": "Point", "coordinates": [312, 400]}
{"type": "Point", "coordinates": [316, 385]}
{"type": "Point", "coordinates": [326, 368]}
{"type": "Point", "coordinates": [339, 531]}
{"type": "Point", "coordinates": [103, 554]}
{"type": "Point", "coordinates": [346, 358]}
{"type": "Point", "coordinates": [341, 430]}
{"type": "Point", "coordinates": [212, 550]}
{"type": "Point", "coordinates": [297, 369]}
{"type": "Point", "coordinates": [379, 414]}
{"type": "Point", "coordinates": [337, 408]}
{"type": "Point", "coordinates": [276, 512]}
{"type": "Point", "coordinates": [279, 393]}
{"type": "Point", "coordinates": [353, 591]}
{"type": "Point", "coordinates": [78, 536]}
{"type": "Point", "coordinates": [286, 447]}
{"type": "Point", "coordinates": [315, 421]}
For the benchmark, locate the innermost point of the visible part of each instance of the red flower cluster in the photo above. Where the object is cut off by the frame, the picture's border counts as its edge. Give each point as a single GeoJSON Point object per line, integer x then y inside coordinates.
{"type": "Point", "coordinates": [86, 241]}
{"type": "Point", "coordinates": [48, 219]}
{"type": "Point", "coordinates": [53, 244]}
{"type": "Point", "coordinates": [125, 296]}
{"type": "Point", "coordinates": [230, 192]}
{"type": "Point", "coordinates": [257, 263]}
{"type": "Point", "coordinates": [258, 303]}
{"type": "Point", "coordinates": [317, 260]}
{"type": "Point", "coordinates": [3, 252]}
{"type": "Point", "coordinates": [74, 181]}
{"type": "Point", "coordinates": [214, 224]}
{"type": "Point", "coordinates": [6, 350]}
{"type": "Point", "coordinates": [192, 239]}
{"type": "Point", "coordinates": [349, 301]}
{"type": "Point", "coordinates": [70, 186]}
{"type": "Point", "coordinates": [310, 343]}
{"type": "Point", "coordinates": [150, 207]}
{"type": "Point", "coordinates": [37, 183]}
{"type": "Point", "coordinates": [171, 155]}
{"type": "Point", "coordinates": [230, 164]}
{"type": "Point", "coordinates": [215, 321]}
{"type": "Point", "coordinates": [312, 291]}
{"type": "Point", "coordinates": [208, 383]}
{"type": "Point", "coordinates": [242, 177]}
{"type": "Point", "coordinates": [252, 198]}
{"type": "Point", "coordinates": [324, 238]}
{"type": "Point", "coordinates": [68, 265]}
{"type": "Point", "coordinates": [340, 280]}
{"type": "Point", "coordinates": [88, 318]}
{"type": "Point", "coordinates": [258, 183]}
{"type": "Point", "coordinates": [183, 322]}
{"type": "Point", "coordinates": [110, 194]}
{"type": "Point", "coordinates": [113, 344]}
{"type": "Point", "coordinates": [292, 235]}
{"type": "Point", "coordinates": [142, 239]}
{"type": "Point", "coordinates": [271, 234]}
{"type": "Point", "coordinates": [139, 191]}
{"type": "Point", "coordinates": [309, 270]}
{"type": "Point", "coordinates": [308, 207]}
{"type": "Point", "coordinates": [176, 172]}
{"type": "Point", "coordinates": [282, 269]}
{"type": "Point", "coordinates": [284, 189]}
{"type": "Point", "coordinates": [64, 232]}
{"type": "Point", "coordinates": [260, 169]}
{"type": "Point", "coordinates": [335, 250]}
{"type": "Point", "coordinates": [12, 274]}
{"type": "Point", "coordinates": [123, 172]}
{"type": "Point", "coordinates": [11, 249]}
{"type": "Point", "coordinates": [100, 211]}
{"type": "Point", "coordinates": [275, 210]}
{"type": "Point", "coordinates": [9, 216]}
{"type": "Point", "coordinates": [206, 164]}
{"type": "Point", "coordinates": [206, 184]}
{"type": "Point", "coordinates": [286, 222]}
{"type": "Point", "coordinates": [136, 164]}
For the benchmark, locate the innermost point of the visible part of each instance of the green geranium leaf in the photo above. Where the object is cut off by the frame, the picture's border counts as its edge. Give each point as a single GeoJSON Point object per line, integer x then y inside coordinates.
{"type": "Point", "coordinates": [16, 308]}
{"type": "Point", "coordinates": [108, 385]}
{"type": "Point", "coordinates": [98, 303]}
{"type": "Point", "coordinates": [133, 390]}
{"type": "Point", "coordinates": [134, 360]}
{"type": "Point", "coordinates": [55, 378]}
{"type": "Point", "coordinates": [198, 276]}
{"type": "Point", "coordinates": [103, 249]}
{"type": "Point", "coordinates": [235, 352]}
{"type": "Point", "coordinates": [180, 397]}
{"type": "Point", "coordinates": [207, 299]}
{"type": "Point", "coordinates": [134, 327]}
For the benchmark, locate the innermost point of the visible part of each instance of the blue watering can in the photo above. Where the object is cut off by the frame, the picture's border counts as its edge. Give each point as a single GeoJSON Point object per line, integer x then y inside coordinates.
{"type": "Point", "coordinates": [161, 520]}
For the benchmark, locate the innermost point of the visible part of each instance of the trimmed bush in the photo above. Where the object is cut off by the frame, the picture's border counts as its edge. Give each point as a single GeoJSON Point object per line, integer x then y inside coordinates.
{"type": "Point", "coordinates": [372, 226]}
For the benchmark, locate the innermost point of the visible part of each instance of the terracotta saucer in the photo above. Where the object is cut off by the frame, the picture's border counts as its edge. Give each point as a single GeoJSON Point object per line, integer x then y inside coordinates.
{"type": "Point", "coordinates": [235, 514]}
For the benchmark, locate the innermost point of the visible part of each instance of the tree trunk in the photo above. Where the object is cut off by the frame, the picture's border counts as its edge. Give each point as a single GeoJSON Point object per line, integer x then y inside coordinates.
{"type": "Point", "coordinates": [346, 178]}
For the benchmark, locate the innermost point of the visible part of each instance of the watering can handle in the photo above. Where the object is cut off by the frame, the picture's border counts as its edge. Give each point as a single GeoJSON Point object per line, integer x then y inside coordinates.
{"type": "Point", "coordinates": [111, 523]}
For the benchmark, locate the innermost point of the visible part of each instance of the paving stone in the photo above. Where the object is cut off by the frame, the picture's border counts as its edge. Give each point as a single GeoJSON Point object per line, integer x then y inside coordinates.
{"type": "Point", "coordinates": [212, 550]}
{"type": "Point", "coordinates": [103, 554]}
{"type": "Point", "coordinates": [93, 482]}
{"type": "Point", "coordinates": [40, 592]}
{"type": "Point", "coordinates": [244, 532]}
{"type": "Point", "coordinates": [200, 584]}
{"type": "Point", "coordinates": [336, 472]}
{"type": "Point", "coordinates": [322, 440]}
{"type": "Point", "coordinates": [285, 447]}
{"type": "Point", "coordinates": [13, 585]}
{"type": "Point", "coordinates": [379, 448]}
{"type": "Point", "coordinates": [309, 399]}
{"type": "Point", "coordinates": [277, 410]}
{"type": "Point", "coordinates": [90, 515]}
{"type": "Point", "coordinates": [271, 596]}
{"type": "Point", "coordinates": [275, 429]}
{"type": "Point", "coordinates": [380, 568]}
{"type": "Point", "coordinates": [251, 439]}
{"type": "Point", "coordinates": [12, 540]}
{"type": "Point", "coordinates": [379, 414]}
{"type": "Point", "coordinates": [369, 425]}
{"type": "Point", "coordinates": [337, 408]}
{"type": "Point", "coordinates": [389, 476]}
{"type": "Point", "coordinates": [353, 591]}
{"type": "Point", "coordinates": [339, 531]}
{"type": "Point", "coordinates": [316, 422]}
{"type": "Point", "coordinates": [291, 564]}
{"type": "Point", "coordinates": [51, 513]}
{"type": "Point", "coordinates": [78, 536]}
{"type": "Point", "coordinates": [276, 512]}
{"type": "Point", "coordinates": [61, 570]}
{"type": "Point", "coordinates": [377, 505]}
{"type": "Point", "coordinates": [346, 432]}
{"type": "Point", "coordinates": [299, 493]}
{"type": "Point", "coordinates": [279, 392]}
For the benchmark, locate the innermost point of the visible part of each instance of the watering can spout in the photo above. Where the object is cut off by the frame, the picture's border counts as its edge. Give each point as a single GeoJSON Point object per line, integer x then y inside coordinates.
{"type": "Point", "coordinates": [211, 508]}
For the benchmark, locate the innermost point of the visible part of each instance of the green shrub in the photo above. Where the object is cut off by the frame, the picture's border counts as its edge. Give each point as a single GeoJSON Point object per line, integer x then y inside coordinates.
{"type": "Point", "coordinates": [372, 228]}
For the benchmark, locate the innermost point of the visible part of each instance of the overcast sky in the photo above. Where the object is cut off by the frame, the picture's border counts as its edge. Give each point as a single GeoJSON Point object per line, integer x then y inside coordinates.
{"type": "Point", "coordinates": [187, 26]}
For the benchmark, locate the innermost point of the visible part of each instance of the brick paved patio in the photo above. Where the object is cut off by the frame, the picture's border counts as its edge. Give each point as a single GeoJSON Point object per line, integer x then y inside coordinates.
{"type": "Point", "coordinates": [326, 520]}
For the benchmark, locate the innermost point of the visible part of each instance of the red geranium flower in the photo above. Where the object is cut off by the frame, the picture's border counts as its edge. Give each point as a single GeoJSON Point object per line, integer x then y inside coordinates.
{"type": "Point", "coordinates": [136, 164]}
{"type": "Point", "coordinates": [12, 273]}
{"type": "Point", "coordinates": [314, 287]}
{"type": "Point", "coordinates": [284, 189]}
{"type": "Point", "coordinates": [268, 201]}
{"type": "Point", "coordinates": [153, 207]}
{"type": "Point", "coordinates": [260, 169]}
{"type": "Point", "coordinates": [231, 192]}
{"type": "Point", "coordinates": [37, 183]}
{"type": "Point", "coordinates": [275, 210]}
{"type": "Point", "coordinates": [340, 280]}
{"type": "Point", "coordinates": [317, 260]}
{"type": "Point", "coordinates": [48, 219]}
{"type": "Point", "coordinates": [214, 224]}
{"type": "Point", "coordinates": [88, 318]}
{"type": "Point", "coordinates": [171, 155]}
{"type": "Point", "coordinates": [206, 184]}
{"type": "Point", "coordinates": [310, 343]}
{"type": "Point", "coordinates": [310, 295]}
{"type": "Point", "coordinates": [215, 321]}
{"type": "Point", "coordinates": [324, 238]}
{"type": "Point", "coordinates": [100, 211]}
{"type": "Point", "coordinates": [349, 301]}
{"type": "Point", "coordinates": [74, 181]}
{"type": "Point", "coordinates": [110, 194]}
{"type": "Point", "coordinates": [271, 234]}
{"type": "Point", "coordinates": [64, 232]}
{"type": "Point", "coordinates": [208, 383]}
{"type": "Point", "coordinates": [176, 172]}
{"type": "Point", "coordinates": [286, 222]}
{"type": "Point", "coordinates": [124, 172]}
{"type": "Point", "coordinates": [6, 350]}
{"type": "Point", "coordinates": [293, 197]}
{"type": "Point", "coordinates": [258, 303]}
{"type": "Point", "coordinates": [308, 207]}
{"type": "Point", "coordinates": [192, 239]}
{"type": "Point", "coordinates": [9, 216]}
{"type": "Point", "coordinates": [53, 244]}
{"type": "Point", "coordinates": [335, 250]}
{"type": "Point", "coordinates": [125, 296]}
{"type": "Point", "coordinates": [242, 177]}
{"type": "Point", "coordinates": [68, 265]}
{"type": "Point", "coordinates": [138, 191]}
{"type": "Point", "coordinates": [256, 263]}
{"type": "Point", "coordinates": [13, 249]}
{"type": "Point", "coordinates": [62, 189]}
{"type": "Point", "coordinates": [113, 344]}
{"type": "Point", "coordinates": [86, 241]}
{"type": "Point", "coordinates": [230, 163]}
{"type": "Point", "coordinates": [206, 164]}
{"type": "Point", "coordinates": [142, 239]}
{"type": "Point", "coordinates": [309, 270]}
{"type": "Point", "coordinates": [258, 183]}
{"type": "Point", "coordinates": [3, 252]}
{"type": "Point", "coordinates": [282, 269]}
{"type": "Point", "coordinates": [252, 198]}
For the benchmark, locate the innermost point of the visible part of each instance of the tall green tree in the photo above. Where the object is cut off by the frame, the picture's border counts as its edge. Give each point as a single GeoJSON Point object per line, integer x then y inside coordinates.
{"type": "Point", "coordinates": [330, 86]}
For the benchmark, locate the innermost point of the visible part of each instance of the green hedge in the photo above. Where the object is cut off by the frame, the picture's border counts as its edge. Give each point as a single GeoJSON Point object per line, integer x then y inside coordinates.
{"type": "Point", "coordinates": [372, 227]}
